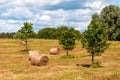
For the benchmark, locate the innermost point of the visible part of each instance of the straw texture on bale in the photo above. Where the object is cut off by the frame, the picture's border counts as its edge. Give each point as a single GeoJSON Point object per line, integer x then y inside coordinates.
{"type": "Point", "coordinates": [33, 53]}
{"type": "Point", "coordinates": [22, 43]}
{"type": "Point", "coordinates": [39, 60]}
{"type": "Point", "coordinates": [54, 51]}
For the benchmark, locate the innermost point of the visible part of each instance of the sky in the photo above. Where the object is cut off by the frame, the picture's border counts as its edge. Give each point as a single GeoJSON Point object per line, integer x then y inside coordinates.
{"type": "Point", "coordinates": [49, 13]}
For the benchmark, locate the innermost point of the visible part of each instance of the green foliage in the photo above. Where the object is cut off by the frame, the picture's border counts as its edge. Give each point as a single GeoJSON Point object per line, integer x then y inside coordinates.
{"type": "Point", "coordinates": [96, 65]}
{"type": "Point", "coordinates": [95, 38]}
{"type": "Point", "coordinates": [7, 35]}
{"type": "Point", "coordinates": [47, 33]}
{"type": "Point", "coordinates": [67, 57]}
{"type": "Point", "coordinates": [67, 38]}
{"type": "Point", "coordinates": [111, 16]}
{"type": "Point", "coordinates": [25, 33]}
{"type": "Point", "coordinates": [54, 33]}
{"type": "Point", "coordinates": [75, 32]}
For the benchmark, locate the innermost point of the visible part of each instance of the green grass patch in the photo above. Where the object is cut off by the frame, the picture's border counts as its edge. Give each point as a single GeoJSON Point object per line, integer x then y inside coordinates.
{"type": "Point", "coordinates": [96, 65]}
{"type": "Point", "coordinates": [67, 57]}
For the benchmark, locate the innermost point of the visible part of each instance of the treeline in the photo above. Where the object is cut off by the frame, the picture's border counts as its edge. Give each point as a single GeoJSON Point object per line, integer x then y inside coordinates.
{"type": "Point", "coordinates": [53, 33]}
{"type": "Point", "coordinates": [45, 33]}
{"type": "Point", "coordinates": [7, 35]}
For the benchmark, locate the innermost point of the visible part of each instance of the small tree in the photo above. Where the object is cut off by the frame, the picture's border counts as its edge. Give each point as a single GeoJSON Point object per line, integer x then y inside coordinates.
{"type": "Point", "coordinates": [25, 33]}
{"type": "Point", "coordinates": [67, 38]}
{"type": "Point", "coordinates": [95, 38]}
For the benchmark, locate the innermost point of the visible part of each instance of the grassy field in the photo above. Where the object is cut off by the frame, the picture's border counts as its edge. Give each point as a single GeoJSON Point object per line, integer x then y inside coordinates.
{"type": "Point", "coordinates": [14, 64]}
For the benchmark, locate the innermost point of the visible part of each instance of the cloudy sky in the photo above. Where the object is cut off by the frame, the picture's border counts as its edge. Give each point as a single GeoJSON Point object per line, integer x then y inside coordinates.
{"type": "Point", "coordinates": [53, 13]}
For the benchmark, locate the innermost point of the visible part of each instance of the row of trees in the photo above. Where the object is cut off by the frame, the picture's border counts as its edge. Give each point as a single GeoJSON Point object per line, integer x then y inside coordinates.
{"type": "Point", "coordinates": [94, 39]}
{"type": "Point", "coordinates": [45, 33]}
{"type": "Point", "coordinates": [7, 35]}
{"type": "Point", "coordinates": [53, 33]}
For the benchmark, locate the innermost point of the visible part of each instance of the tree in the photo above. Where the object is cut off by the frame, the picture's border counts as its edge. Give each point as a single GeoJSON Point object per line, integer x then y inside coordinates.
{"type": "Point", "coordinates": [111, 16]}
{"type": "Point", "coordinates": [95, 38]}
{"type": "Point", "coordinates": [25, 33]}
{"type": "Point", "coordinates": [67, 38]}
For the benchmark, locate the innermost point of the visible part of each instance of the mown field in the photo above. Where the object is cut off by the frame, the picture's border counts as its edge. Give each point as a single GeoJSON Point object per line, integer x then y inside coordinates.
{"type": "Point", "coordinates": [14, 64]}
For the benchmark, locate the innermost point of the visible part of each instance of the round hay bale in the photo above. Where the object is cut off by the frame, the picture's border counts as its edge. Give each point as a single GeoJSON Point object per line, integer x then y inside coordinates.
{"type": "Point", "coordinates": [33, 53]}
{"type": "Point", "coordinates": [39, 60]}
{"type": "Point", "coordinates": [22, 43]}
{"type": "Point", "coordinates": [54, 51]}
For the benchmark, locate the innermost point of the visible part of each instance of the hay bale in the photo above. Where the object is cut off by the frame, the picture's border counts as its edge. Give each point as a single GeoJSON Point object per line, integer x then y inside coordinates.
{"type": "Point", "coordinates": [22, 43]}
{"type": "Point", "coordinates": [33, 53]}
{"type": "Point", "coordinates": [54, 51]}
{"type": "Point", "coordinates": [39, 60]}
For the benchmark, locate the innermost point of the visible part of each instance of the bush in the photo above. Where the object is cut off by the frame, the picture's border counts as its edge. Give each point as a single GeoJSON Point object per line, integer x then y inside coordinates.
{"type": "Point", "coordinates": [96, 65]}
{"type": "Point", "coordinates": [67, 57]}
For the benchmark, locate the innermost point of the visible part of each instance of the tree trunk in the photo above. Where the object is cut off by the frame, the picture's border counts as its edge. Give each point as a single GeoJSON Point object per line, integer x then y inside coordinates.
{"type": "Point", "coordinates": [67, 53]}
{"type": "Point", "coordinates": [92, 57]}
{"type": "Point", "coordinates": [26, 44]}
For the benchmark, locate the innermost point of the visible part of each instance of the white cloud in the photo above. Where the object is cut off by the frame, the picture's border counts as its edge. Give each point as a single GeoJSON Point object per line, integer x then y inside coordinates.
{"type": "Point", "coordinates": [58, 18]}
{"type": "Point", "coordinates": [8, 26]}
{"type": "Point", "coordinates": [96, 5]}
{"type": "Point", "coordinates": [2, 22]}
{"type": "Point", "coordinates": [36, 2]}
{"type": "Point", "coordinates": [3, 1]}
{"type": "Point", "coordinates": [82, 26]}
{"type": "Point", "coordinates": [54, 2]}
{"type": "Point", "coordinates": [82, 11]}
{"type": "Point", "coordinates": [45, 17]}
{"type": "Point", "coordinates": [12, 21]}
{"type": "Point", "coordinates": [18, 13]}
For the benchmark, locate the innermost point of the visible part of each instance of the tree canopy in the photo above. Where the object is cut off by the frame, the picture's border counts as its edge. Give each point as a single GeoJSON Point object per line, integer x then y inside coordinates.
{"type": "Point", "coordinates": [67, 38]}
{"type": "Point", "coordinates": [111, 16]}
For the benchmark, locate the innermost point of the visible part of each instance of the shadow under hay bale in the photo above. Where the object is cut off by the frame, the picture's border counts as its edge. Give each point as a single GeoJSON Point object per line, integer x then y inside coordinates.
{"type": "Point", "coordinates": [54, 51]}
{"type": "Point", "coordinates": [39, 60]}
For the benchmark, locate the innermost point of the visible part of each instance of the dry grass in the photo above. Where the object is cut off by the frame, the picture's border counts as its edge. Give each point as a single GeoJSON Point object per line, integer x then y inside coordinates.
{"type": "Point", "coordinates": [14, 64]}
